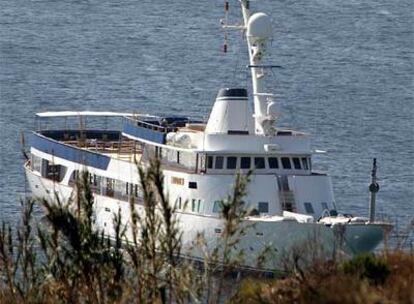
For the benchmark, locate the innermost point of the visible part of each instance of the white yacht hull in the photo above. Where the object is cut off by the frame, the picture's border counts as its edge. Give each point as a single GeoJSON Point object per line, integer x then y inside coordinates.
{"type": "Point", "coordinates": [280, 235]}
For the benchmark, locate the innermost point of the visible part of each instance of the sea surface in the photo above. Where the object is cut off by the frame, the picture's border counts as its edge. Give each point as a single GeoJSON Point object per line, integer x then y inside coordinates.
{"type": "Point", "coordinates": [346, 78]}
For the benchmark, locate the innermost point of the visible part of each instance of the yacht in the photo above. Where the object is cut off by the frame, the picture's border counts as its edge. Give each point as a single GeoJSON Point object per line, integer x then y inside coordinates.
{"type": "Point", "coordinates": [290, 202]}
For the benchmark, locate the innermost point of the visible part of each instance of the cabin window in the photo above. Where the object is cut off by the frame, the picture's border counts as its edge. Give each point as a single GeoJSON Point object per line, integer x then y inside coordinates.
{"type": "Point", "coordinates": [217, 207]}
{"type": "Point", "coordinates": [96, 180]}
{"type": "Point", "coordinates": [179, 203]}
{"type": "Point", "coordinates": [286, 163]}
{"type": "Point", "coordinates": [273, 163]}
{"type": "Point", "coordinates": [324, 206]}
{"type": "Point", "coordinates": [53, 172]}
{"type": "Point", "coordinates": [36, 163]}
{"type": "Point", "coordinates": [193, 205]}
{"type": "Point", "coordinates": [305, 163]}
{"type": "Point", "coordinates": [74, 177]}
{"type": "Point", "coordinates": [231, 162]}
{"type": "Point", "coordinates": [110, 183]}
{"type": "Point", "coordinates": [199, 206]}
{"type": "Point", "coordinates": [219, 162]}
{"type": "Point", "coordinates": [309, 208]}
{"type": "Point", "coordinates": [192, 185]}
{"type": "Point", "coordinates": [245, 162]}
{"type": "Point", "coordinates": [136, 190]}
{"type": "Point", "coordinates": [259, 162]}
{"type": "Point", "coordinates": [209, 162]}
{"type": "Point", "coordinates": [263, 207]}
{"type": "Point", "coordinates": [296, 163]}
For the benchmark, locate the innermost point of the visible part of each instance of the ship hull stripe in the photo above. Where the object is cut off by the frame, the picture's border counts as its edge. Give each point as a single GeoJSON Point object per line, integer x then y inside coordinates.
{"type": "Point", "coordinates": [70, 153]}
{"type": "Point", "coordinates": [143, 133]}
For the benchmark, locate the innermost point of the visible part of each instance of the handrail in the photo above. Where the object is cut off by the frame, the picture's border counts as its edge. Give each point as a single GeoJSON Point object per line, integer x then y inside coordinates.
{"type": "Point", "coordinates": [90, 113]}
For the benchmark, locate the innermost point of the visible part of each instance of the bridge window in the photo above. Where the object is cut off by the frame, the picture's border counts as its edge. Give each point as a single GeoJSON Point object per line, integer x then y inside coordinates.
{"type": "Point", "coordinates": [286, 163]}
{"type": "Point", "coordinates": [231, 162]}
{"type": "Point", "coordinates": [210, 162]}
{"type": "Point", "coordinates": [273, 163]}
{"type": "Point", "coordinates": [245, 163]}
{"type": "Point", "coordinates": [296, 163]}
{"type": "Point", "coordinates": [259, 162]}
{"type": "Point", "coordinates": [305, 163]}
{"type": "Point", "coordinates": [309, 208]}
{"type": "Point", "coordinates": [219, 162]}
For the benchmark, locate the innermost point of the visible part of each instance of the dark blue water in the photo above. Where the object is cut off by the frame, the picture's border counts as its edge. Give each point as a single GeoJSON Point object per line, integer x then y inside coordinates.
{"type": "Point", "coordinates": [347, 78]}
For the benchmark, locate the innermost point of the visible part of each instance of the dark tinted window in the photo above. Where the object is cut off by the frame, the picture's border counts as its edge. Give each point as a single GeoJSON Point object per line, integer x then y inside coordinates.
{"type": "Point", "coordinates": [273, 163]}
{"type": "Point", "coordinates": [296, 163]}
{"type": "Point", "coordinates": [219, 162]}
{"type": "Point", "coordinates": [286, 163]}
{"type": "Point", "coordinates": [210, 162]}
{"type": "Point", "coordinates": [259, 162]}
{"type": "Point", "coordinates": [192, 185]}
{"type": "Point", "coordinates": [263, 207]}
{"type": "Point", "coordinates": [309, 208]}
{"type": "Point", "coordinates": [305, 163]}
{"type": "Point", "coordinates": [245, 163]}
{"type": "Point", "coordinates": [231, 162]}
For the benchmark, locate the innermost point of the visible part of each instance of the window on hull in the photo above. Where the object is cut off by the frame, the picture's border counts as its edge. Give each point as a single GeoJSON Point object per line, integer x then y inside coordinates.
{"type": "Point", "coordinates": [109, 187]}
{"type": "Point", "coordinates": [51, 171]}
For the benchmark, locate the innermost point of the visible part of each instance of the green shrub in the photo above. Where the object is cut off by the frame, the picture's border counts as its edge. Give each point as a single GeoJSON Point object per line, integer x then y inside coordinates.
{"type": "Point", "coordinates": [368, 266]}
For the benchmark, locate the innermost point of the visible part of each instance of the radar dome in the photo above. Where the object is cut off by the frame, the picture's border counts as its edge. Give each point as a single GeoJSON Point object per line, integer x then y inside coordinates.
{"type": "Point", "coordinates": [259, 26]}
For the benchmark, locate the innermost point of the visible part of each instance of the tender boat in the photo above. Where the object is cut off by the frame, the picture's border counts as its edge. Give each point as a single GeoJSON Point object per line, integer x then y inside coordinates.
{"type": "Point", "coordinates": [293, 203]}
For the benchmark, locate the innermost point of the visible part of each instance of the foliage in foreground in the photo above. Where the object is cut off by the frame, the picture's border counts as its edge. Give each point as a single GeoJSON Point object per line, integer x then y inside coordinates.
{"type": "Point", "coordinates": [68, 260]}
{"type": "Point", "coordinates": [366, 279]}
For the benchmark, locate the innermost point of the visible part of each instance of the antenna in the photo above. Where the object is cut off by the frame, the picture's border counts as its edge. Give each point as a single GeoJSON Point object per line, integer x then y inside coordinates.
{"type": "Point", "coordinates": [225, 25]}
{"type": "Point", "coordinates": [373, 188]}
{"type": "Point", "coordinates": [226, 19]}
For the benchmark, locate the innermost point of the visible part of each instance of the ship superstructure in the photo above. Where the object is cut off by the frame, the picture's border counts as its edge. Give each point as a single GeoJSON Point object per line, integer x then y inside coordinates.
{"type": "Point", "coordinates": [291, 201]}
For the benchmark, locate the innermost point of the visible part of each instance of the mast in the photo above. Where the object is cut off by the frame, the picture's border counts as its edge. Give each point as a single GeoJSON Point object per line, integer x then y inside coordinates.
{"type": "Point", "coordinates": [258, 31]}
{"type": "Point", "coordinates": [373, 188]}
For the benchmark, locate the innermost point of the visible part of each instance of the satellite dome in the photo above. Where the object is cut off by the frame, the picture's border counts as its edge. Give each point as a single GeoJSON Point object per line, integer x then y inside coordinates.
{"type": "Point", "coordinates": [259, 26]}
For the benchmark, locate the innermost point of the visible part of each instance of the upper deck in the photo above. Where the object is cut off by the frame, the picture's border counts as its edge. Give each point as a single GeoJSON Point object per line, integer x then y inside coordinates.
{"type": "Point", "coordinates": [184, 133]}
{"type": "Point", "coordinates": [176, 141]}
